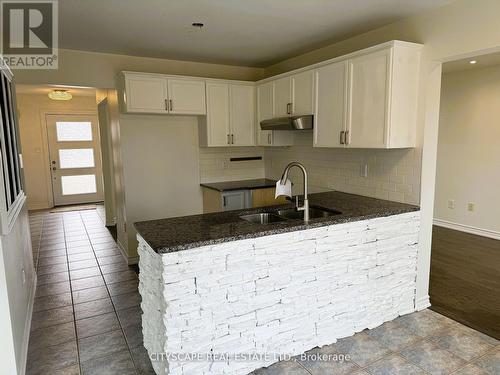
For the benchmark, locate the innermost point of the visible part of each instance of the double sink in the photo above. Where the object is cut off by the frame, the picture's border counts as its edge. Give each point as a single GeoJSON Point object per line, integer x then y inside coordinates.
{"type": "Point", "coordinates": [315, 212]}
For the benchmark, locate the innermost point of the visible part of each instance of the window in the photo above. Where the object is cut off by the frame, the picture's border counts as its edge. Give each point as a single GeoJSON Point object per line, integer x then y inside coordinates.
{"type": "Point", "coordinates": [73, 131]}
{"type": "Point", "coordinates": [12, 195]}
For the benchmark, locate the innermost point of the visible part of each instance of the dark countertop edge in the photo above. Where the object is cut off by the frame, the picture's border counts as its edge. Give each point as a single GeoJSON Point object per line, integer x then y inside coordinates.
{"type": "Point", "coordinates": [244, 185]}
{"type": "Point", "coordinates": [274, 231]}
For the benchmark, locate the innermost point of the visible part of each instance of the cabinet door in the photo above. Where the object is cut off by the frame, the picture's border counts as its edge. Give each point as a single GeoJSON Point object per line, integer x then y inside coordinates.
{"type": "Point", "coordinates": [187, 96]}
{"type": "Point", "coordinates": [264, 112]}
{"type": "Point", "coordinates": [303, 93]}
{"type": "Point", "coordinates": [217, 114]}
{"type": "Point", "coordinates": [282, 97]}
{"type": "Point", "coordinates": [330, 111]}
{"type": "Point", "coordinates": [233, 200]}
{"type": "Point", "coordinates": [368, 100]}
{"type": "Point", "coordinates": [145, 94]}
{"type": "Point", "coordinates": [242, 114]}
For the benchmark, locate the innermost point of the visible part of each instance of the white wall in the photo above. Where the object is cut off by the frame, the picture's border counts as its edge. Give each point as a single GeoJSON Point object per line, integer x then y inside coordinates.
{"type": "Point", "coordinates": [160, 169]}
{"type": "Point", "coordinates": [468, 163]}
{"type": "Point", "coordinates": [33, 136]}
{"type": "Point", "coordinates": [17, 288]}
{"type": "Point", "coordinates": [392, 174]}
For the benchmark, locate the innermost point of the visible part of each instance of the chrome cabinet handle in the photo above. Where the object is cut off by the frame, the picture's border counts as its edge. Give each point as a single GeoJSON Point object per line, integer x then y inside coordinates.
{"type": "Point", "coordinates": [171, 105]}
{"type": "Point", "coordinates": [341, 137]}
{"type": "Point", "coordinates": [224, 201]}
{"type": "Point", "coordinates": [166, 104]}
{"type": "Point", "coordinates": [269, 138]}
{"type": "Point", "coordinates": [346, 137]}
{"type": "Point", "coordinates": [289, 108]}
{"type": "Point", "coordinates": [228, 139]}
{"type": "Point", "coordinates": [232, 139]}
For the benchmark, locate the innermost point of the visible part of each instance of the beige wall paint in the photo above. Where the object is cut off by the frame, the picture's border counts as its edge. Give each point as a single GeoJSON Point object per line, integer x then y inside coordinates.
{"type": "Point", "coordinates": [468, 163]}
{"type": "Point", "coordinates": [101, 70]}
{"type": "Point", "coordinates": [33, 135]}
{"type": "Point", "coordinates": [160, 169]}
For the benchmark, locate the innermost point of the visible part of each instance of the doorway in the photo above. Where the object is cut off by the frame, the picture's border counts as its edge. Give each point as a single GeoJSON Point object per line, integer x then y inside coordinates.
{"type": "Point", "coordinates": [75, 158]}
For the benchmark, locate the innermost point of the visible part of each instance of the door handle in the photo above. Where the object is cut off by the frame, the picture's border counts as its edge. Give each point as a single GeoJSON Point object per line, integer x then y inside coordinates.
{"type": "Point", "coordinates": [341, 137]}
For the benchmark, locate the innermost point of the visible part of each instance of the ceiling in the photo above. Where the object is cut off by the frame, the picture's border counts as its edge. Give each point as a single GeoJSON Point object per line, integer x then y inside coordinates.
{"type": "Point", "coordinates": [44, 90]}
{"type": "Point", "coordinates": [482, 61]}
{"type": "Point", "coordinates": [238, 32]}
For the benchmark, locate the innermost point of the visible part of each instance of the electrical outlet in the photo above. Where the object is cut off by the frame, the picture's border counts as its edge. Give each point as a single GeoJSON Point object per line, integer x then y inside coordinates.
{"type": "Point", "coordinates": [364, 171]}
{"type": "Point", "coordinates": [451, 204]}
{"type": "Point", "coordinates": [471, 206]}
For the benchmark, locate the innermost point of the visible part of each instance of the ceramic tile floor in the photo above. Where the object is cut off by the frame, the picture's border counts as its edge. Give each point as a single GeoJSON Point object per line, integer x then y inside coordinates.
{"type": "Point", "coordinates": [86, 318]}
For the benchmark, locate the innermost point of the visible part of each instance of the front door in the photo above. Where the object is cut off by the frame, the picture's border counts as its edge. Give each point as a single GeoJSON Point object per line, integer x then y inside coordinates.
{"type": "Point", "coordinates": [75, 159]}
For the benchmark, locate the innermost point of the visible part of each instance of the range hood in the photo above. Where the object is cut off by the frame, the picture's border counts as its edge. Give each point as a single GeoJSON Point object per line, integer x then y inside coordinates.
{"type": "Point", "coordinates": [303, 122]}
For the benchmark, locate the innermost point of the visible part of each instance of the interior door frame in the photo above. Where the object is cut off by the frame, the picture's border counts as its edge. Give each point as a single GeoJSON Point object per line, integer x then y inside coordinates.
{"type": "Point", "coordinates": [45, 144]}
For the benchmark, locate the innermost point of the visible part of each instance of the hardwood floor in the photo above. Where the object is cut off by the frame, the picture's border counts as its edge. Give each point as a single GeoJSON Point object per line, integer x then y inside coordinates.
{"type": "Point", "coordinates": [465, 279]}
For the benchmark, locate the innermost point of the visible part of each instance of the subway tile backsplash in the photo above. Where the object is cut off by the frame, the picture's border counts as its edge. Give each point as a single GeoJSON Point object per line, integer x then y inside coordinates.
{"type": "Point", "coordinates": [215, 164]}
{"type": "Point", "coordinates": [392, 174]}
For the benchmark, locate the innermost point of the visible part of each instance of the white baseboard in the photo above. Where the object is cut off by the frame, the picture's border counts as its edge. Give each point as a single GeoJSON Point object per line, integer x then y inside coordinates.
{"type": "Point", "coordinates": [27, 327]}
{"type": "Point", "coordinates": [423, 303]}
{"type": "Point", "coordinates": [468, 229]}
{"type": "Point", "coordinates": [129, 260]}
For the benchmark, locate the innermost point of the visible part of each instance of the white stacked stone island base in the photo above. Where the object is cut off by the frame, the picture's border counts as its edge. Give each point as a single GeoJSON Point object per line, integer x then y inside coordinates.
{"type": "Point", "coordinates": [278, 294]}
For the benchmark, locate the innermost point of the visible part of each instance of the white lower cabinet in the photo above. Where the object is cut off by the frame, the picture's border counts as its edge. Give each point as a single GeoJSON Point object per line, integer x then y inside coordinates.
{"type": "Point", "coordinates": [230, 115]}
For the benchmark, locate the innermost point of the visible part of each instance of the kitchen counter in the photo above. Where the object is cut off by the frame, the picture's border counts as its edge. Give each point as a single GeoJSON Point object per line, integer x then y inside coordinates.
{"type": "Point", "coordinates": [260, 183]}
{"type": "Point", "coordinates": [181, 233]}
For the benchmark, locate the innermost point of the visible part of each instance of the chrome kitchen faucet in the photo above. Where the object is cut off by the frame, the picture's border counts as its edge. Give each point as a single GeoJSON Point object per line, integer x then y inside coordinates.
{"type": "Point", "coordinates": [283, 180]}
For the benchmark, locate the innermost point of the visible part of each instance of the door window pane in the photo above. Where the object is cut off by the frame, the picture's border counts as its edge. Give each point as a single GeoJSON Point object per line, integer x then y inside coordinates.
{"type": "Point", "coordinates": [76, 158]}
{"type": "Point", "coordinates": [80, 184]}
{"type": "Point", "coordinates": [73, 131]}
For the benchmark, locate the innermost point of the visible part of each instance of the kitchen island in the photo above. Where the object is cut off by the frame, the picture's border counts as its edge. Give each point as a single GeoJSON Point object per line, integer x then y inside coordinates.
{"type": "Point", "coordinates": [216, 289]}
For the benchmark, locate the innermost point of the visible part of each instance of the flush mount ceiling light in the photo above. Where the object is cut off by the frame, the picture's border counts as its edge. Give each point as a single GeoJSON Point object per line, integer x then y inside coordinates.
{"type": "Point", "coordinates": [472, 62]}
{"type": "Point", "coordinates": [60, 95]}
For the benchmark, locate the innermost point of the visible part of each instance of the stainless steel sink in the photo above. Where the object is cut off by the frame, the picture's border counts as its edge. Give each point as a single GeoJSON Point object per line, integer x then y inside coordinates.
{"type": "Point", "coordinates": [262, 218]}
{"type": "Point", "coordinates": [314, 213]}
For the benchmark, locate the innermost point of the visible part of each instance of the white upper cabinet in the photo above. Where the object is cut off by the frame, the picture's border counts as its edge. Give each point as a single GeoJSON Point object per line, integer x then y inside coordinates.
{"type": "Point", "coordinates": [154, 93]}
{"type": "Point", "coordinates": [217, 122]}
{"type": "Point", "coordinates": [146, 94]}
{"type": "Point", "coordinates": [368, 100]}
{"type": "Point", "coordinates": [265, 110]}
{"type": "Point", "coordinates": [378, 107]}
{"type": "Point", "coordinates": [302, 101]}
{"type": "Point", "coordinates": [282, 97]}
{"type": "Point", "coordinates": [186, 96]}
{"type": "Point", "coordinates": [330, 108]}
{"type": "Point", "coordinates": [242, 114]}
{"type": "Point", "coordinates": [230, 117]}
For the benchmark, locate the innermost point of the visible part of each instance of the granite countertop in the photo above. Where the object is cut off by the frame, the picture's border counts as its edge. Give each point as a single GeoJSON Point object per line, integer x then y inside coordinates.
{"type": "Point", "coordinates": [260, 183]}
{"type": "Point", "coordinates": [181, 233]}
